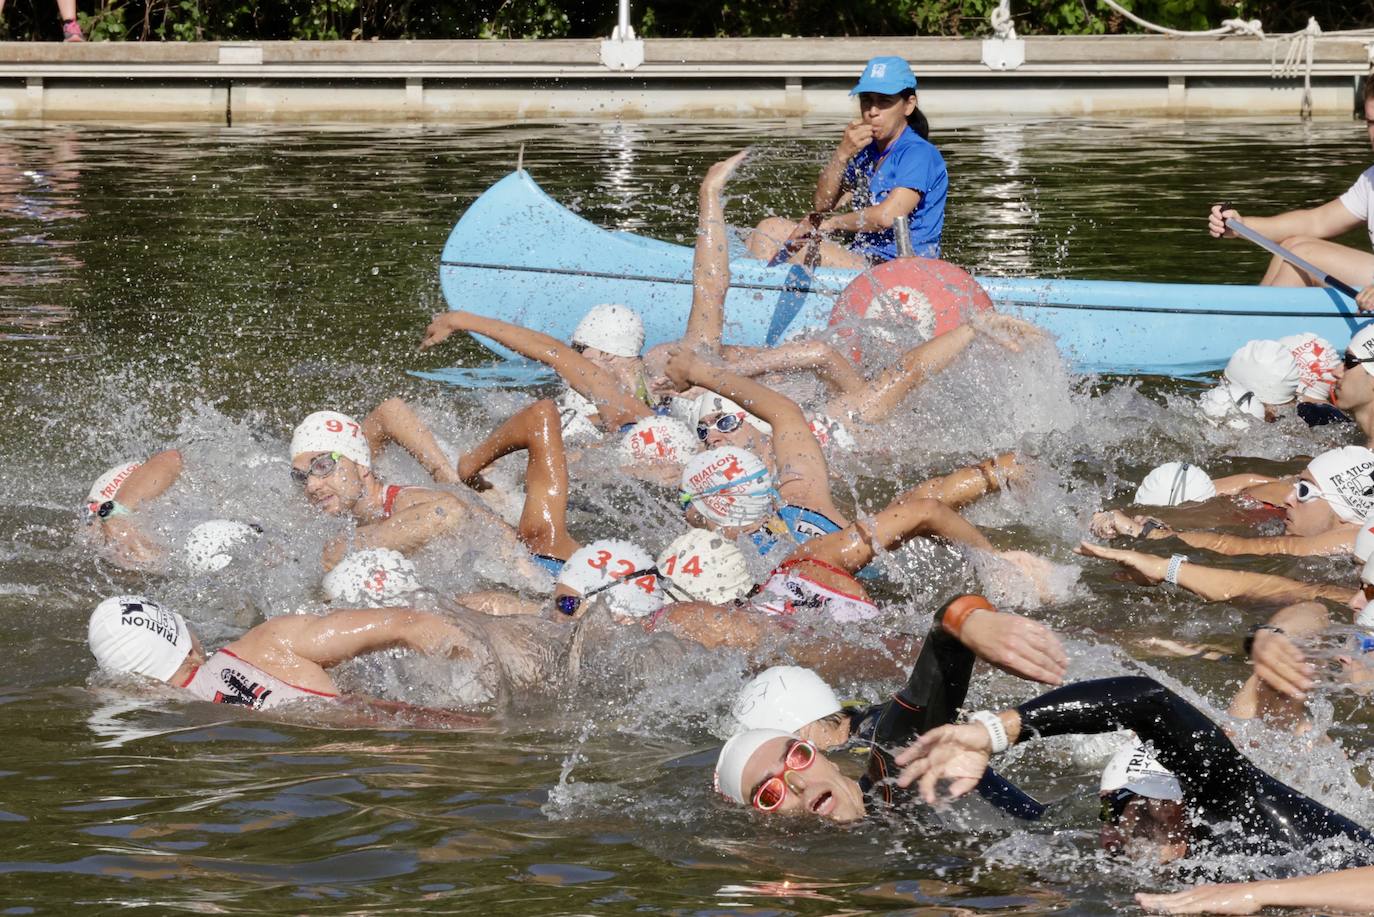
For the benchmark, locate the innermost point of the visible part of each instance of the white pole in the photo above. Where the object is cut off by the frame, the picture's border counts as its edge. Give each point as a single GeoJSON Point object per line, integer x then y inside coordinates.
{"type": "Point", "coordinates": [622, 29]}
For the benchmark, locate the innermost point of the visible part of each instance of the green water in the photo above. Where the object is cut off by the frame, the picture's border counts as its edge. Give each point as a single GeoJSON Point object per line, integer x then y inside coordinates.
{"type": "Point", "coordinates": [159, 287]}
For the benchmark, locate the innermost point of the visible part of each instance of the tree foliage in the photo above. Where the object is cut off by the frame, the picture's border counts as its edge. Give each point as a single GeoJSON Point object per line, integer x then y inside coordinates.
{"type": "Point", "coordinates": [221, 20]}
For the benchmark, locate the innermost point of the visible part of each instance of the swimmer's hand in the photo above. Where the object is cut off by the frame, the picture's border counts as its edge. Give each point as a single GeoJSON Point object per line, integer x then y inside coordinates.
{"type": "Point", "coordinates": [1232, 898]}
{"type": "Point", "coordinates": [682, 364]}
{"type": "Point", "coordinates": [1281, 665]}
{"type": "Point", "coordinates": [1035, 568]}
{"type": "Point", "coordinates": [956, 755]}
{"type": "Point", "coordinates": [1366, 299]}
{"type": "Point", "coordinates": [1006, 331]}
{"type": "Point", "coordinates": [441, 326]}
{"type": "Point", "coordinates": [1015, 644]}
{"type": "Point", "coordinates": [1114, 523]}
{"type": "Point", "coordinates": [1145, 569]}
{"type": "Point", "coordinates": [720, 173]}
{"type": "Point", "coordinates": [129, 546]}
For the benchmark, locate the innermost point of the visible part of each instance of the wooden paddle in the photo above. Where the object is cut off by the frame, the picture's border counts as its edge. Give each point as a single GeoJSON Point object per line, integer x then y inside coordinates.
{"type": "Point", "coordinates": [804, 234]}
{"type": "Point", "coordinates": [1245, 232]}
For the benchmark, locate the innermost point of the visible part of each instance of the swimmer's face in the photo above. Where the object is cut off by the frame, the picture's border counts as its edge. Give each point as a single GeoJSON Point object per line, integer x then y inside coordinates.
{"type": "Point", "coordinates": [826, 733]}
{"type": "Point", "coordinates": [745, 436]}
{"type": "Point", "coordinates": [1310, 518]}
{"type": "Point", "coordinates": [335, 493]}
{"type": "Point", "coordinates": [820, 791]}
{"type": "Point", "coordinates": [194, 660]}
{"type": "Point", "coordinates": [1354, 389]}
{"type": "Point", "coordinates": [1154, 830]}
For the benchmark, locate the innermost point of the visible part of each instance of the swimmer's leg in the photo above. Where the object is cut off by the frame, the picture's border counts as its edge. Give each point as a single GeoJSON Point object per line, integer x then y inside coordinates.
{"type": "Point", "coordinates": [876, 401]}
{"type": "Point", "coordinates": [544, 519]}
{"type": "Point", "coordinates": [1259, 697]}
{"type": "Point", "coordinates": [394, 421]}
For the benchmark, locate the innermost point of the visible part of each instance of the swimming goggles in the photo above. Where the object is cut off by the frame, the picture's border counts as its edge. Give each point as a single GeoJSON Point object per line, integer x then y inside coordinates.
{"type": "Point", "coordinates": [322, 467]}
{"type": "Point", "coordinates": [1306, 491]}
{"type": "Point", "coordinates": [685, 497]}
{"type": "Point", "coordinates": [772, 792]}
{"type": "Point", "coordinates": [725, 423]}
{"type": "Point", "coordinates": [568, 604]}
{"type": "Point", "coordinates": [1350, 361]}
{"type": "Point", "coordinates": [1114, 805]}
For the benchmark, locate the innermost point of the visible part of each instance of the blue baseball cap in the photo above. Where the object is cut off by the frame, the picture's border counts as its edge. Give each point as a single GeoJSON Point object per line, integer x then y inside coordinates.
{"type": "Point", "coordinates": [888, 75]}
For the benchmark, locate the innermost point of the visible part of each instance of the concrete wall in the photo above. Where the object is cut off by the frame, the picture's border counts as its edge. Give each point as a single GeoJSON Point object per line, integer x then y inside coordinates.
{"type": "Point", "coordinates": [301, 82]}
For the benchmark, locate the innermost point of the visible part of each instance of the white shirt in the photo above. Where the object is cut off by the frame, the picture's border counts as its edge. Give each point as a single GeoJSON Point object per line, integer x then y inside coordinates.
{"type": "Point", "coordinates": [1359, 200]}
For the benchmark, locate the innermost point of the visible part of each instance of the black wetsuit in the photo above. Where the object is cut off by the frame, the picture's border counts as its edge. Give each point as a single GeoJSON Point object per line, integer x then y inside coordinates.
{"type": "Point", "coordinates": [932, 697]}
{"type": "Point", "coordinates": [1219, 783]}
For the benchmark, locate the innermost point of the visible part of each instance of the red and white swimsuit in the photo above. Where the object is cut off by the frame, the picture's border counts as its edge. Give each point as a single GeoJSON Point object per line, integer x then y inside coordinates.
{"type": "Point", "coordinates": [226, 679]}
{"type": "Point", "coordinates": [389, 498]}
{"type": "Point", "coordinates": [787, 592]}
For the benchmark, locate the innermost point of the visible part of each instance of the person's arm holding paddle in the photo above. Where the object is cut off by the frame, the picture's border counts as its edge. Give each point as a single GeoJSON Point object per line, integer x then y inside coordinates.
{"type": "Point", "coordinates": [615, 406]}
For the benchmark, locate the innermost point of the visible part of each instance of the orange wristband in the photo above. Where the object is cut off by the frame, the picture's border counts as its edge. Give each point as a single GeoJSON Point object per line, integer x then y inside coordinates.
{"type": "Point", "coordinates": [957, 612]}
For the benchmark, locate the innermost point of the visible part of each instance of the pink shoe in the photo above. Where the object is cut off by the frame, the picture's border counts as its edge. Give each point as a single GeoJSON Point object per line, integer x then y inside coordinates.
{"type": "Point", "coordinates": [71, 31]}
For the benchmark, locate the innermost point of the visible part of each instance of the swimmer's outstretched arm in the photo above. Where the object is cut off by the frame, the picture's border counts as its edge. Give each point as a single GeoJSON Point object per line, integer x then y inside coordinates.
{"type": "Point", "coordinates": [803, 476]}
{"type": "Point", "coordinates": [856, 545]}
{"type": "Point", "coordinates": [1215, 584]}
{"type": "Point", "coordinates": [829, 365]}
{"type": "Point", "coordinates": [615, 406]}
{"type": "Point", "coordinates": [407, 529]}
{"type": "Point", "coordinates": [331, 639]}
{"type": "Point", "coordinates": [711, 260]}
{"type": "Point", "coordinates": [394, 421]}
{"type": "Point", "coordinates": [151, 479]}
{"type": "Point", "coordinates": [1349, 891]}
{"type": "Point", "coordinates": [1336, 541]}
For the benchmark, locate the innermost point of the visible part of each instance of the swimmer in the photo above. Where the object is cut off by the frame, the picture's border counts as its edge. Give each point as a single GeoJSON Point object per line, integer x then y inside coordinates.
{"type": "Point", "coordinates": [331, 460]}
{"type": "Point", "coordinates": [1319, 369]}
{"type": "Point", "coordinates": [885, 168]}
{"type": "Point", "coordinates": [1260, 378]}
{"type": "Point", "coordinates": [277, 662]}
{"type": "Point", "coordinates": [774, 770]}
{"type": "Point", "coordinates": [1228, 805]}
{"type": "Point", "coordinates": [851, 394]}
{"type": "Point", "coordinates": [1354, 391]}
{"type": "Point", "coordinates": [1322, 513]}
{"type": "Point", "coordinates": [1308, 233]}
{"type": "Point", "coordinates": [602, 365]}
{"type": "Point", "coordinates": [111, 508]}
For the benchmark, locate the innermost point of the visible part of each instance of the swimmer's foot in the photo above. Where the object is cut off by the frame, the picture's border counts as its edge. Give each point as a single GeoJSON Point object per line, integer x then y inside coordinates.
{"type": "Point", "coordinates": [720, 173]}
{"type": "Point", "coordinates": [1001, 471]}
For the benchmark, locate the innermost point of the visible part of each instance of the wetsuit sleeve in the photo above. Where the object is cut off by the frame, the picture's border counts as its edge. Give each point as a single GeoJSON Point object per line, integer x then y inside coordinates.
{"type": "Point", "coordinates": [931, 697]}
{"type": "Point", "coordinates": [1219, 783]}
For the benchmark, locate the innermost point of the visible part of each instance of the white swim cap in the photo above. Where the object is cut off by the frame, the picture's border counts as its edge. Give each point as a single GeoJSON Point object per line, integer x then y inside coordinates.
{"type": "Point", "coordinates": [785, 697]}
{"type": "Point", "coordinates": [1135, 769]}
{"type": "Point", "coordinates": [735, 755]}
{"type": "Point", "coordinates": [728, 486]}
{"type": "Point", "coordinates": [711, 403]}
{"type": "Point", "coordinates": [1266, 368]}
{"type": "Point", "coordinates": [108, 484]}
{"type": "Point", "coordinates": [1173, 483]}
{"type": "Point", "coordinates": [1364, 540]}
{"type": "Point", "coordinates": [706, 567]}
{"type": "Point", "coordinates": [1229, 399]}
{"type": "Point", "coordinates": [131, 633]}
{"type": "Point", "coordinates": [613, 328]}
{"type": "Point", "coordinates": [210, 545]}
{"type": "Point", "coordinates": [330, 431]}
{"type": "Point", "coordinates": [1362, 346]}
{"type": "Point", "coordinates": [658, 439]}
{"type": "Point", "coordinates": [371, 578]}
{"type": "Point", "coordinates": [603, 568]}
{"type": "Point", "coordinates": [1345, 477]}
{"type": "Point", "coordinates": [1319, 364]}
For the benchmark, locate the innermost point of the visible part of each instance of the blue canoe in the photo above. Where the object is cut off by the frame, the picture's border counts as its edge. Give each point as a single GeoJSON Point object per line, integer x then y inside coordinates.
{"type": "Point", "coordinates": [519, 255]}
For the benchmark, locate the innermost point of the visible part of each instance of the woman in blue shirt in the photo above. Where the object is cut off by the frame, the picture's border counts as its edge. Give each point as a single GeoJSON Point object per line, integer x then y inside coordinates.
{"type": "Point", "coordinates": [885, 167]}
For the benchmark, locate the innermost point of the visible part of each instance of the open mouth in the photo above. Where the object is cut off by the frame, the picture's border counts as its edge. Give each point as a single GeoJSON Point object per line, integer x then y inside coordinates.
{"type": "Point", "coordinates": [822, 802]}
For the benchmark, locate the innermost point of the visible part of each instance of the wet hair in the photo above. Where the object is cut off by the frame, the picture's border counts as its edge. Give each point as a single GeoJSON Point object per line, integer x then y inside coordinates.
{"type": "Point", "coordinates": [918, 123]}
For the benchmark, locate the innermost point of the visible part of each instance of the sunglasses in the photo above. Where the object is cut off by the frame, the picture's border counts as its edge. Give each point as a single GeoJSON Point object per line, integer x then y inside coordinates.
{"type": "Point", "coordinates": [322, 467]}
{"type": "Point", "coordinates": [568, 604]}
{"type": "Point", "coordinates": [725, 423]}
{"type": "Point", "coordinates": [772, 792]}
{"type": "Point", "coordinates": [1114, 805]}
{"type": "Point", "coordinates": [1351, 361]}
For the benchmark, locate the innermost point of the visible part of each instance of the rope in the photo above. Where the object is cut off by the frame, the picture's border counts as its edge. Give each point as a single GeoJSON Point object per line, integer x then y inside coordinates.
{"type": "Point", "coordinates": [1002, 26]}
{"type": "Point", "coordinates": [1227, 27]}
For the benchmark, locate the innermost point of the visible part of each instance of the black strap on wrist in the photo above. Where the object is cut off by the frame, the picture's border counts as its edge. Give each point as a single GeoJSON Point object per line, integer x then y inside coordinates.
{"type": "Point", "coordinates": [1250, 635]}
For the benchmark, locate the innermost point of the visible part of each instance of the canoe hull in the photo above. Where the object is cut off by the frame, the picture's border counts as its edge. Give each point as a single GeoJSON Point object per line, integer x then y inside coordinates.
{"type": "Point", "coordinates": [520, 256]}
